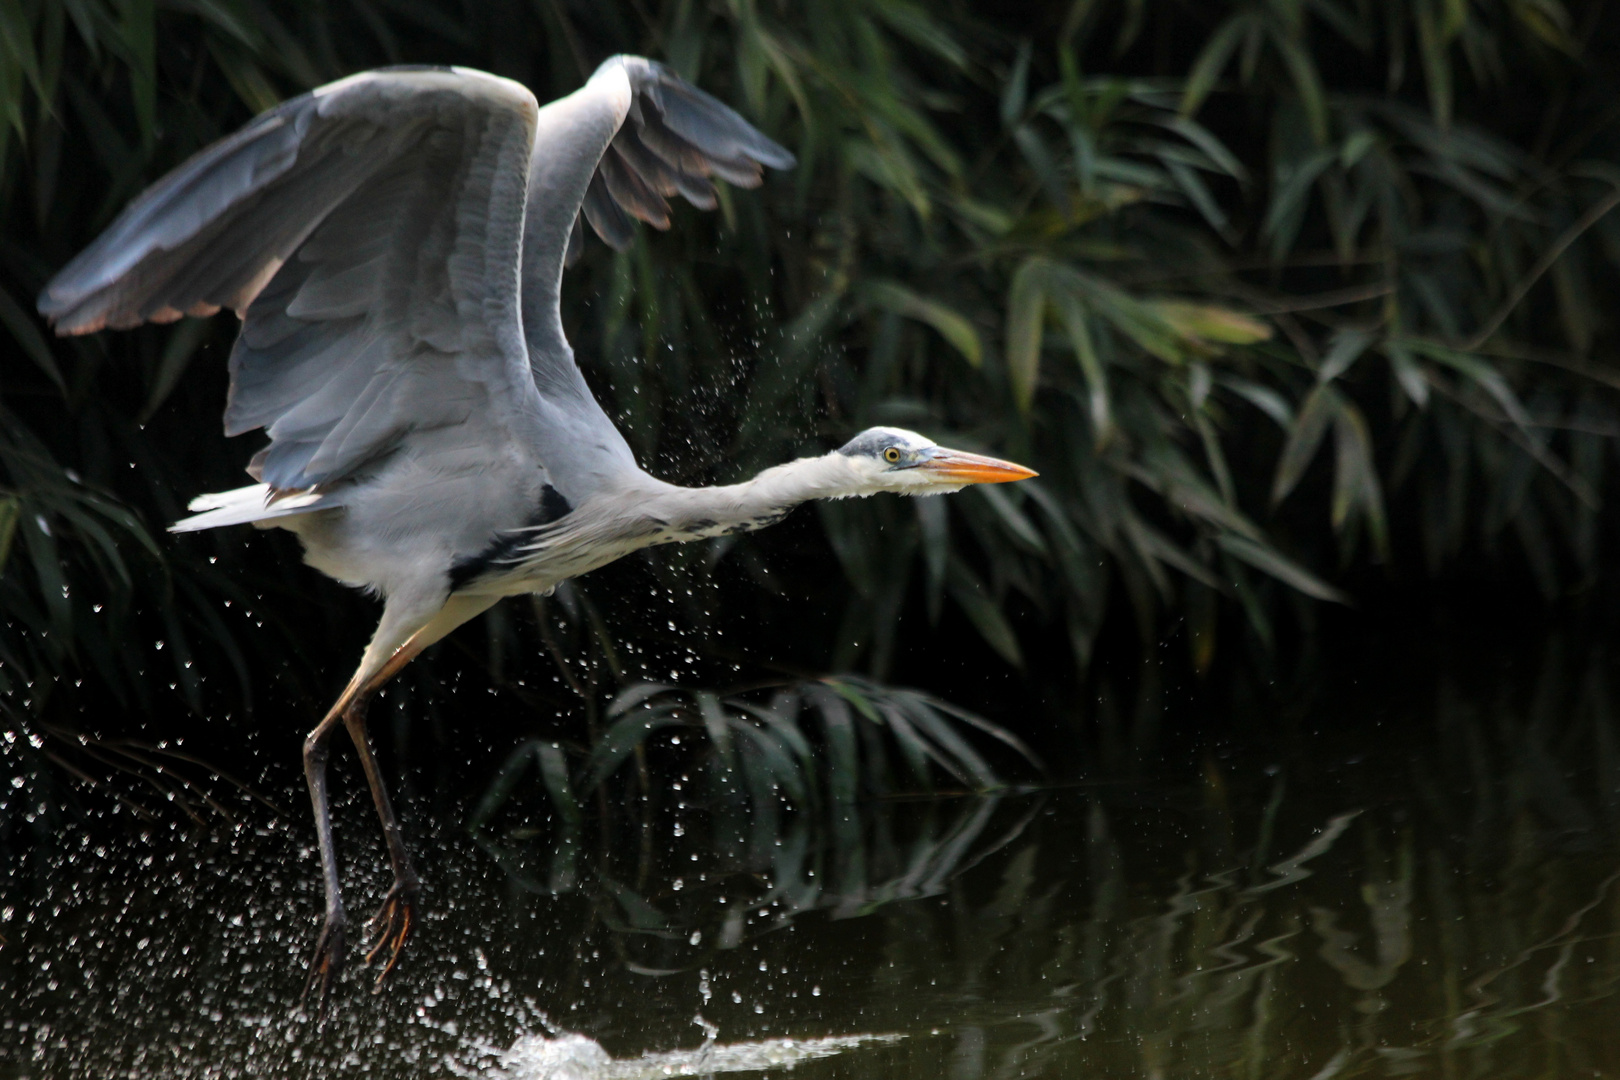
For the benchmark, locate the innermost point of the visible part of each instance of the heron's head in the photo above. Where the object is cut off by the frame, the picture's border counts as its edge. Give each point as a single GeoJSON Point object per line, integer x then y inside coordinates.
{"type": "Point", "coordinates": [893, 459]}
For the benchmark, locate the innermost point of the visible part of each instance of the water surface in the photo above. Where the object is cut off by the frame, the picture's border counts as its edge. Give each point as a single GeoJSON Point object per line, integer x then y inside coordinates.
{"type": "Point", "coordinates": [1431, 893]}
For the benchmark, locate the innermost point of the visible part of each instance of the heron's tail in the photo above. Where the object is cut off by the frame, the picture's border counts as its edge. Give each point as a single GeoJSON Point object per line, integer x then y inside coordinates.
{"type": "Point", "coordinates": [247, 505]}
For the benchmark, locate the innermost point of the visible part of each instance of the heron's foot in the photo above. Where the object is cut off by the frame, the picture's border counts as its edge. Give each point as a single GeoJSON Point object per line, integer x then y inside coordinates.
{"type": "Point", "coordinates": [391, 926]}
{"type": "Point", "coordinates": [327, 962]}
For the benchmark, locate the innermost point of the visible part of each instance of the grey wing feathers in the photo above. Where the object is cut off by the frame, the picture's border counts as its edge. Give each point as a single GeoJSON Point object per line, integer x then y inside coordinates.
{"type": "Point", "coordinates": [612, 152]}
{"type": "Point", "coordinates": [368, 233]}
{"type": "Point", "coordinates": [145, 266]}
{"type": "Point", "coordinates": [378, 237]}
{"type": "Point", "coordinates": [607, 154]}
{"type": "Point", "coordinates": [675, 138]}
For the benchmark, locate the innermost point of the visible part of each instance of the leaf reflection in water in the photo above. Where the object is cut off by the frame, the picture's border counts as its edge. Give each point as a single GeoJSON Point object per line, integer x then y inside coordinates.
{"type": "Point", "coordinates": [1434, 898]}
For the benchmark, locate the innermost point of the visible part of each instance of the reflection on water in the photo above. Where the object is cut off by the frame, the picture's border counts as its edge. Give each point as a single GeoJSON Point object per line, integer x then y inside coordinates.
{"type": "Point", "coordinates": [1433, 897]}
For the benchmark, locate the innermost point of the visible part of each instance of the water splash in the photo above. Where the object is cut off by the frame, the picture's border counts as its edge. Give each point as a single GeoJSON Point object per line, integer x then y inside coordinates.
{"type": "Point", "coordinates": [576, 1057]}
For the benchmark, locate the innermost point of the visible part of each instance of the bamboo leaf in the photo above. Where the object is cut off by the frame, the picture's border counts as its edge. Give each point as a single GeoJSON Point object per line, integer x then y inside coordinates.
{"type": "Point", "coordinates": [1307, 82]}
{"type": "Point", "coordinates": [951, 325]}
{"type": "Point", "coordinates": [843, 760]}
{"type": "Point", "coordinates": [916, 24]}
{"type": "Point", "coordinates": [1355, 479]}
{"type": "Point", "coordinates": [184, 340]}
{"type": "Point", "coordinates": [634, 696]}
{"type": "Point", "coordinates": [1218, 153]}
{"type": "Point", "coordinates": [916, 752]}
{"type": "Point", "coordinates": [1026, 317]}
{"type": "Point", "coordinates": [783, 728]}
{"type": "Point", "coordinates": [10, 512]}
{"type": "Point", "coordinates": [554, 772]}
{"type": "Point", "coordinates": [1483, 375]}
{"type": "Point", "coordinates": [1210, 323]}
{"type": "Point", "coordinates": [27, 334]}
{"type": "Point", "coordinates": [1295, 179]}
{"type": "Point", "coordinates": [45, 555]}
{"type": "Point", "coordinates": [784, 771]}
{"type": "Point", "coordinates": [1408, 373]}
{"type": "Point", "coordinates": [501, 788]}
{"type": "Point", "coordinates": [1091, 367]}
{"type": "Point", "coordinates": [620, 740]}
{"type": "Point", "coordinates": [1019, 526]}
{"type": "Point", "coordinates": [1261, 397]}
{"type": "Point", "coordinates": [716, 723]}
{"type": "Point", "coordinates": [1016, 91]}
{"type": "Point", "coordinates": [1212, 60]}
{"type": "Point", "coordinates": [970, 595]}
{"type": "Point", "coordinates": [1304, 438]}
{"type": "Point", "coordinates": [1290, 573]}
{"type": "Point", "coordinates": [934, 528]}
{"type": "Point", "coordinates": [995, 731]}
{"type": "Point", "coordinates": [1433, 48]}
{"type": "Point", "coordinates": [1345, 349]}
{"type": "Point", "coordinates": [967, 760]}
{"type": "Point", "coordinates": [1154, 547]}
{"type": "Point", "coordinates": [137, 40]}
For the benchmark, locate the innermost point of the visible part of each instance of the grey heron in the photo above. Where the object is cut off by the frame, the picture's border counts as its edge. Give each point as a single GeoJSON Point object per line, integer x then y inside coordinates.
{"type": "Point", "coordinates": [394, 246]}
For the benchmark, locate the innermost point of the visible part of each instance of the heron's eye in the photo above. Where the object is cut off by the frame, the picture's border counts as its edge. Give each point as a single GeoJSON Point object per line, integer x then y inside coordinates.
{"type": "Point", "coordinates": [891, 455]}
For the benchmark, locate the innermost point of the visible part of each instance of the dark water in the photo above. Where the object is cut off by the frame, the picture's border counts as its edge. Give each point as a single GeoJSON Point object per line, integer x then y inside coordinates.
{"type": "Point", "coordinates": [1417, 883]}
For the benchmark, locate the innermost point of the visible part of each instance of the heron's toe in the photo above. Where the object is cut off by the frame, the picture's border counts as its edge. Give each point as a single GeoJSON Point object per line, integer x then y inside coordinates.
{"type": "Point", "coordinates": [391, 927]}
{"type": "Point", "coordinates": [326, 963]}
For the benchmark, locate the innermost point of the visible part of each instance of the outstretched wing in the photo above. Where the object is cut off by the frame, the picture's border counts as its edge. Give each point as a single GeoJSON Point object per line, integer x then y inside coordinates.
{"type": "Point", "coordinates": [368, 233]}
{"type": "Point", "coordinates": [615, 150]}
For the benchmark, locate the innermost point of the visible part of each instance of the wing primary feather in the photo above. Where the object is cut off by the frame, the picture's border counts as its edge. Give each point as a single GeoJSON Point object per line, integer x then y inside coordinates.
{"type": "Point", "coordinates": [648, 166]}
{"type": "Point", "coordinates": [663, 176]}
{"type": "Point", "coordinates": [709, 124]}
{"type": "Point", "coordinates": [603, 212]}
{"type": "Point", "coordinates": [630, 191]}
{"type": "Point", "coordinates": [679, 154]}
{"type": "Point", "coordinates": [669, 138]}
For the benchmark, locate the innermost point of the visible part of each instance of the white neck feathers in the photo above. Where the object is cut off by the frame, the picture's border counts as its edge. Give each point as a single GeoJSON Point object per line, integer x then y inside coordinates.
{"type": "Point", "coordinates": [694, 513]}
{"type": "Point", "coordinates": [645, 511]}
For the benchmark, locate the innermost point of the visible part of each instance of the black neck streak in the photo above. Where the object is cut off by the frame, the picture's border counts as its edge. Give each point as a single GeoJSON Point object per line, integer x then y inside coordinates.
{"type": "Point", "coordinates": [468, 568]}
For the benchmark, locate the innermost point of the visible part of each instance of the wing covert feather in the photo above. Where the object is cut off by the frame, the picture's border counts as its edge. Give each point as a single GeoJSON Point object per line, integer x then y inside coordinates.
{"type": "Point", "coordinates": [369, 235]}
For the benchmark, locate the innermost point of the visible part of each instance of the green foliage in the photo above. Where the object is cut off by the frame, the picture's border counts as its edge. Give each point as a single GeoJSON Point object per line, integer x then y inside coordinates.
{"type": "Point", "coordinates": [1170, 279]}
{"type": "Point", "coordinates": [1442, 896]}
{"type": "Point", "coordinates": [808, 745]}
{"type": "Point", "coordinates": [60, 541]}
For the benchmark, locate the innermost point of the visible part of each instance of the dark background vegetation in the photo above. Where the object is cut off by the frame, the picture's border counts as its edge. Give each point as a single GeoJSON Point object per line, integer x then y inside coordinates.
{"type": "Point", "coordinates": [1294, 306]}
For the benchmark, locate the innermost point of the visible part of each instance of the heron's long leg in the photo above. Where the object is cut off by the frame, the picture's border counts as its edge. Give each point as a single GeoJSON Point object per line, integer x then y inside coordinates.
{"type": "Point", "coordinates": [328, 958]}
{"type": "Point", "coordinates": [392, 923]}
{"type": "Point", "coordinates": [403, 619]}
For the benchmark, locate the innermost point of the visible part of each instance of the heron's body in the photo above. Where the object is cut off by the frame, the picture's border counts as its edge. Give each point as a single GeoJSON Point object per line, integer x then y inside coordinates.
{"type": "Point", "coordinates": [394, 244]}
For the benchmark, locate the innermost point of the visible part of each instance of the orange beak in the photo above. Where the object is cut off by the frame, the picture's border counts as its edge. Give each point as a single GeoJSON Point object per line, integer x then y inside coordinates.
{"type": "Point", "coordinates": [960, 467]}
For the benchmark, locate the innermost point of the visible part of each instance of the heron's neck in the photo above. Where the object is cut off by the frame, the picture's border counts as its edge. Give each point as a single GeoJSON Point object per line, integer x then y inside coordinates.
{"type": "Point", "coordinates": [696, 513]}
